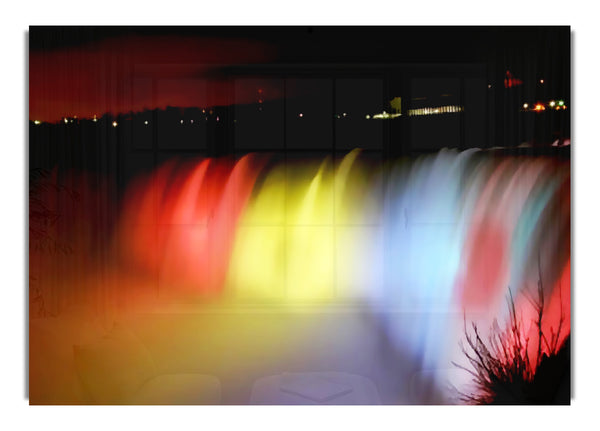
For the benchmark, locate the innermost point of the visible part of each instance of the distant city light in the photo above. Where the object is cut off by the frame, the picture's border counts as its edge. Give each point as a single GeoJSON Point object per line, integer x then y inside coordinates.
{"type": "Point", "coordinates": [344, 114]}
{"type": "Point", "coordinates": [448, 109]}
{"type": "Point", "coordinates": [301, 115]}
{"type": "Point", "coordinates": [192, 121]}
{"type": "Point", "coordinates": [541, 81]}
{"type": "Point", "coordinates": [385, 116]}
{"type": "Point", "coordinates": [146, 122]}
{"type": "Point", "coordinates": [114, 124]}
{"type": "Point", "coordinates": [181, 121]}
{"type": "Point", "coordinates": [94, 119]}
{"type": "Point", "coordinates": [37, 122]}
{"type": "Point", "coordinates": [552, 104]}
{"type": "Point", "coordinates": [396, 104]}
{"type": "Point", "coordinates": [489, 85]}
{"type": "Point", "coordinates": [368, 117]}
{"type": "Point", "coordinates": [217, 118]}
{"type": "Point", "coordinates": [66, 121]}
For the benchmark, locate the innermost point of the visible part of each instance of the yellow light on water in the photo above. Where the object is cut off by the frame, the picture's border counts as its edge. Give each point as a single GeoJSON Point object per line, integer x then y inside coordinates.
{"type": "Point", "coordinates": [293, 240]}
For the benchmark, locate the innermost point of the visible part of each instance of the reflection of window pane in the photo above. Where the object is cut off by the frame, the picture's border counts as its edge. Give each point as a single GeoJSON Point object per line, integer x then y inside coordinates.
{"type": "Point", "coordinates": [309, 188]}
{"type": "Point", "coordinates": [310, 263]}
{"type": "Point", "coordinates": [309, 113]}
{"type": "Point", "coordinates": [143, 130]}
{"type": "Point", "coordinates": [184, 258]}
{"type": "Point", "coordinates": [359, 261]}
{"type": "Point", "coordinates": [429, 132]}
{"type": "Point", "coordinates": [267, 205]}
{"type": "Point", "coordinates": [134, 166]}
{"type": "Point", "coordinates": [475, 110]}
{"type": "Point", "coordinates": [359, 191]}
{"type": "Point", "coordinates": [434, 91]}
{"type": "Point", "coordinates": [143, 99]}
{"type": "Point", "coordinates": [431, 251]}
{"type": "Point", "coordinates": [257, 265]}
{"type": "Point", "coordinates": [177, 128]}
{"type": "Point", "coordinates": [258, 114]}
{"type": "Point", "coordinates": [357, 98]}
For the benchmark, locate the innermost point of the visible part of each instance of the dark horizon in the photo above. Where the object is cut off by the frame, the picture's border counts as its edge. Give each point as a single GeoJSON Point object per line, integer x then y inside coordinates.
{"type": "Point", "coordinates": [86, 71]}
{"type": "Point", "coordinates": [313, 90]}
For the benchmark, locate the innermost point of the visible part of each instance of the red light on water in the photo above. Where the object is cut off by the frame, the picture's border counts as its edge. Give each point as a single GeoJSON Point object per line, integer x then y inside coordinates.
{"type": "Point", "coordinates": [187, 215]}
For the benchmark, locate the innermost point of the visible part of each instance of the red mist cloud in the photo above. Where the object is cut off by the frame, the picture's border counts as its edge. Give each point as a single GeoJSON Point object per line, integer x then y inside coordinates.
{"type": "Point", "coordinates": [125, 74]}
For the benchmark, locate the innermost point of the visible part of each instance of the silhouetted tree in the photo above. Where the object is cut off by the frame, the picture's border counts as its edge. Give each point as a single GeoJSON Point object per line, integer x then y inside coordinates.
{"type": "Point", "coordinates": [502, 371]}
{"type": "Point", "coordinates": [41, 219]}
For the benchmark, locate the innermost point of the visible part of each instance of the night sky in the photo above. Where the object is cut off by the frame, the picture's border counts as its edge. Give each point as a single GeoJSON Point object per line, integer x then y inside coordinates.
{"type": "Point", "coordinates": [87, 71]}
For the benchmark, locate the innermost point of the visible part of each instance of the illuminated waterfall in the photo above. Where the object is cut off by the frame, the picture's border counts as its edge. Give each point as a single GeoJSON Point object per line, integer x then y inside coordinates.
{"type": "Point", "coordinates": [415, 243]}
